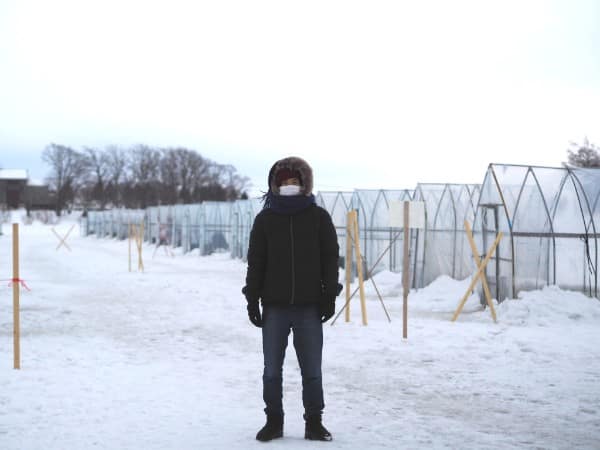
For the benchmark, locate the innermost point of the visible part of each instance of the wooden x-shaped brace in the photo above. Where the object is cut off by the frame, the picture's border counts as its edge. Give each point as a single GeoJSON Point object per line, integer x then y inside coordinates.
{"type": "Point", "coordinates": [353, 239]}
{"type": "Point", "coordinates": [136, 233]}
{"type": "Point", "coordinates": [63, 240]}
{"type": "Point", "coordinates": [481, 265]}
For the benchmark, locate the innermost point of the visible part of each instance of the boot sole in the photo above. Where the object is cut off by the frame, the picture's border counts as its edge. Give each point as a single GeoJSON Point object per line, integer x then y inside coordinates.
{"type": "Point", "coordinates": [318, 438]}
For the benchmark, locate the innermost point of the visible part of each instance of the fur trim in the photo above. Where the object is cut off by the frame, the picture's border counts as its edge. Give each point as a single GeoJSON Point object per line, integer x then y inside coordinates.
{"type": "Point", "coordinates": [292, 163]}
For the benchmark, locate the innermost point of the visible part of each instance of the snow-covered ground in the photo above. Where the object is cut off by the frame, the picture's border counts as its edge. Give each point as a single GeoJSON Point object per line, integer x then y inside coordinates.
{"type": "Point", "coordinates": [166, 359]}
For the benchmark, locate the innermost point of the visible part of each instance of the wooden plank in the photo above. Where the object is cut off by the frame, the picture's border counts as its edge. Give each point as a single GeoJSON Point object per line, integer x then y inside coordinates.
{"type": "Point", "coordinates": [361, 284]}
{"type": "Point", "coordinates": [476, 277]}
{"type": "Point", "coordinates": [477, 258]}
{"type": "Point", "coordinates": [349, 228]}
{"type": "Point", "coordinates": [129, 229]}
{"type": "Point", "coordinates": [140, 244]}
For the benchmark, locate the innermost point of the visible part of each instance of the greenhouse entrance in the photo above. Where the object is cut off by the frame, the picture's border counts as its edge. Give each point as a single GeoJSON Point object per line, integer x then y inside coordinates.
{"type": "Point", "coordinates": [490, 229]}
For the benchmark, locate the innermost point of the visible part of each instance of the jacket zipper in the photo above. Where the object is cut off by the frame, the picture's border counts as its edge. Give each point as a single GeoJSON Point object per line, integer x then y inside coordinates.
{"type": "Point", "coordinates": [293, 258]}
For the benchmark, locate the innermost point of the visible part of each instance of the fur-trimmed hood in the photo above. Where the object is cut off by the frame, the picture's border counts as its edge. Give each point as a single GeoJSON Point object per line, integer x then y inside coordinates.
{"type": "Point", "coordinates": [292, 163]}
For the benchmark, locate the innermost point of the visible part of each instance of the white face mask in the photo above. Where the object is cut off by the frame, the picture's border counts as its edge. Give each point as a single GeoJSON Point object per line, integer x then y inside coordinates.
{"type": "Point", "coordinates": [290, 189]}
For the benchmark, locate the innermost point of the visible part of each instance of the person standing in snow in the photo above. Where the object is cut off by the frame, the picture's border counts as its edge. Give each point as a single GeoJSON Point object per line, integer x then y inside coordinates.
{"type": "Point", "coordinates": [293, 271]}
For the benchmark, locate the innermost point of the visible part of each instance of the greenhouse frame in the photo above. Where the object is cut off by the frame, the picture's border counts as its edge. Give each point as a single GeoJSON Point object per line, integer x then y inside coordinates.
{"type": "Point", "coordinates": [556, 244]}
{"type": "Point", "coordinates": [441, 248]}
{"type": "Point", "coordinates": [549, 218]}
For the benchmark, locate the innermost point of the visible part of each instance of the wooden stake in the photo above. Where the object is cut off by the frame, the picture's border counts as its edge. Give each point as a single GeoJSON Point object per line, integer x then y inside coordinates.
{"type": "Point", "coordinates": [63, 240]}
{"type": "Point", "coordinates": [361, 285]}
{"type": "Point", "coordinates": [140, 242]}
{"type": "Point", "coordinates": [349, 227]}
{"type": "Point", "coordinates": [351, 224]}
{"type": "Point", "coordinates": [136, 234]}
{"type": "Point", "coordinates": [477, 276]}
{"type": "Point", "coordinates": [67, 235]}
{"type": "Point", "coordinates": [405, 274]}
{"type": "Point", "coordinates": [477, 258]}
{"type": "Point", "coordinates": [129, 229]}
{"type": "Point", "coordinates": [15, 286]}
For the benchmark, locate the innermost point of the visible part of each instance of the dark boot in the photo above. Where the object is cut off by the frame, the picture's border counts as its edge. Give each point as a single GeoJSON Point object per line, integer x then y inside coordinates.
{"type": "Point", "coordinates": [315, 431]}
{"type": "Point", "coordinates": [273, 429]}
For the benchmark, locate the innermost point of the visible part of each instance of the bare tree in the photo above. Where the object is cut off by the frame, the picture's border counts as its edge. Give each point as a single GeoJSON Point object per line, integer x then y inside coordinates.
{"type": "Point", "coordinates": [68, 168]}
{"type": "Point", "coordinates": [144, 164]}
{"type": "Point", "coordinates": [98, 167]}
{"type": "Point", "coordinates": [140, 176]}
{"type": "Point", "coordinates": [585, 155]}
{"type": "Point", "coordinates": [193, 170]}
{"type": "Point", "coordinates": [116, 174]}
{"type": "Point", "coordinates": [234, 183]}
{"type": "Point", "coordinates": [169, 176]}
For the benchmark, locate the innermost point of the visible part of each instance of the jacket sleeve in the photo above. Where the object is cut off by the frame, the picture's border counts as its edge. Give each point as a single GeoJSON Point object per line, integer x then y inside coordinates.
{"type": "Point", "coordinates": [329, 256]}
{"type": "Point", "coordinates": [257, 261]}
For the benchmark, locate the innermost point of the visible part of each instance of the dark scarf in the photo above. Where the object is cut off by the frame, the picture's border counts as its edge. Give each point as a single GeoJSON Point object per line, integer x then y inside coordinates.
{"type": "Point", "coordinates": [282, 204]}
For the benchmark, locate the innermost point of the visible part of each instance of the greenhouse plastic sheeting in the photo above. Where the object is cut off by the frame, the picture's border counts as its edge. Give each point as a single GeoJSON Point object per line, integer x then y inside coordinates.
{"type": "Point", "coordinates": [550, 218]}
{"type": "Point", "coordinates": [242, 217]}
{"type": "Point", "coordinates": [337, 205]}
{"type": "Point", "coordinates": [381, 244]}
{"type": "Point", "coordinates": [214, 225]}
{"type": "Point", "coordinates": [112, 223]}
{"type": "Point", "coordinates": [442, 248]}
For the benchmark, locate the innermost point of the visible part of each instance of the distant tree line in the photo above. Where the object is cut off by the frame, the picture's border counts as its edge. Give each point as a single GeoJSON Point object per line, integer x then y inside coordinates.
{"type": "Point", "coordinates": [584, 155]}
{"type": "Point", "coordinates": [137, 177]}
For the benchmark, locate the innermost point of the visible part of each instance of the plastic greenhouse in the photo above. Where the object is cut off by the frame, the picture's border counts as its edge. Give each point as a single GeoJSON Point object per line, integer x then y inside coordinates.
{"type": "Point", "coordinates": [112, 223]}
{"type": "Point", "coordinates": [442, 247]}
{"type": "Point", "coordinates": [337, 205]}
{"type": "Point", "coordinates": [242, 217]}
{"type": "Point", "coordinates": [376, 234]}
{"type": "Point", "coordinates": [159, 224]}
{"type": "Point", "coordinates": [550, 218]}
{"type": "Point", "coordinates": [214, 226]}
{"type": "Point", "coordinates": [191, 229]}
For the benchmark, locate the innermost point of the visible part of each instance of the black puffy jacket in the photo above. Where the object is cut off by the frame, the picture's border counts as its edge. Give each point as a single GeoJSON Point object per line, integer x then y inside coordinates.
{"type": "Point", "coordinates": [292, 259]}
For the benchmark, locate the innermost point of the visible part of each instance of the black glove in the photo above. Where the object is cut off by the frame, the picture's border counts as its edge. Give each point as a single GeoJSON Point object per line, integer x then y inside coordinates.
{"type": "Point", "coordinates": [254, 313]}
{"type": "Point", "coordinates": [327, 305]}
{"type": "Point", "coordinates": [327, 309]}
{"type": "Point", "coordinates": [253, 308]}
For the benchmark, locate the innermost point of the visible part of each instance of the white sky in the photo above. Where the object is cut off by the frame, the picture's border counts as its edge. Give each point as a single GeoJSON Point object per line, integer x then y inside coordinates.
{"type": "Point", "coordinates": [373, 94]}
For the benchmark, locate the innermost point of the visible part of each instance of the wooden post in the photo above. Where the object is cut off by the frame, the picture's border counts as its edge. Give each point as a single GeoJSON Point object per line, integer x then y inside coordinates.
{"type": "Point", "coordinates": [349, 228]}
{"type": "Point", "coordinates": [15, 286]}
{"type": "Point", "coordinates": [129, 236]}
{"type": "Point", "coordinates": [477, 258]}
{"type": "Point", "coordinates": [405, 274]}
{"type": "Point", "coordinates": [361, 285]}
{"type": "Point", "coordinates": [353, 235]}
{"type": "Point", "coordinates": [136, 234]}
{"type": "Point", "coordinates": [140, 242]}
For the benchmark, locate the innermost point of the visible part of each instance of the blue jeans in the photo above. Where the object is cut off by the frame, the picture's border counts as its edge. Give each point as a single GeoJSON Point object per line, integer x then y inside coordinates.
{"type": "Point", "coordinates": [305, 322]}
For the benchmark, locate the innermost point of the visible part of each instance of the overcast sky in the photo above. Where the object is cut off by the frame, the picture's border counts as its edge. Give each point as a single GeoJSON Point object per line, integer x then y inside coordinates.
{"type": "Point", "coordinates": [373, 94]}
